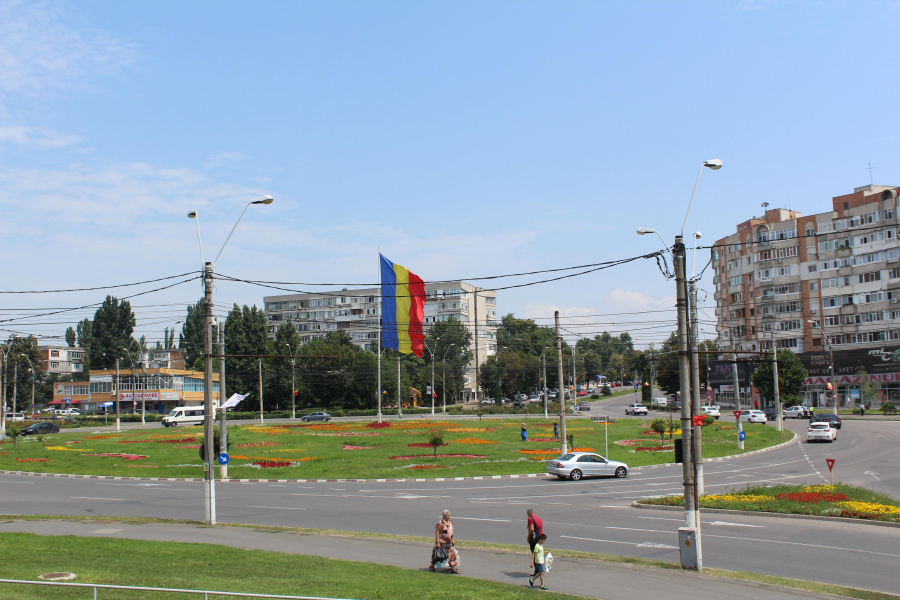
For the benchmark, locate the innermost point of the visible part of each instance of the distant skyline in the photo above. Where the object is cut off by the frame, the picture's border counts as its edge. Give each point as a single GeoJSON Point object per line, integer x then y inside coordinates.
{"type": "Point", "coordinates": [467, 139]}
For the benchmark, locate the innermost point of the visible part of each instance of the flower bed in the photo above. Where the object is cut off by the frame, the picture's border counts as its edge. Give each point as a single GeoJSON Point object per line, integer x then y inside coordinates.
{"type": "Point", "coordinates": [826, 500]}
{"type": "Point", "coordinates": [64, 449]}
{"type": "Point", "coordinates": [32, 460]}
{"type": "Point", "coordinates": [186, 440]}
{"type": "Point", "coordinates": [258, 445]}
{"type": "Point", "coordinates": [543, 440]}
{"type": "Point", "coordinates": [421, 445]}
{"type": "Point", "coordinates": [412, 456]}
{"type": "Point", "coordinates": [118, 455]}
{"type": "Point", "coordinates": [192, 446]}
{"type": "Point", "coordinates": [472, 440]}
{"type": "Point", "coordinates": [654, 448]}
{"type": "Point", "coordinates": [421, 467]}
{"type": "Point", "coordinates": [377, 425]}
{"type": "Point", "coordinates": [539, 451]}
{"type": "Point", "coordinates": [100, 437]}
{"type": "Point", "coordinates": [348, 447]}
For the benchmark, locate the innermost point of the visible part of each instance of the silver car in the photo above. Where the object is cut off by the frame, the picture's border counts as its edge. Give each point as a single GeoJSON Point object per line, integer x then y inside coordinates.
{"type": "Point", "coordinates": [316, 416]}
{"type": "Point", "coordinates": [576, 465]}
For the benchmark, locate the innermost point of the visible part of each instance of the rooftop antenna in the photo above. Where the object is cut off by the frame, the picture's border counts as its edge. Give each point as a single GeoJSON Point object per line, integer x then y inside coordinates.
{"type": "Point", "coordinates": [871, 182]}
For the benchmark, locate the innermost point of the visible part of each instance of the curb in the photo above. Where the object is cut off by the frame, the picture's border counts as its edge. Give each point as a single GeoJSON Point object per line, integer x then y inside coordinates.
{"type": "Point", "coordinates": [476, 478]}
{"type": "Point", "coordinates": [793, 440]}
{"type": "Point", "coordinates": [395, 480]}
{"type": "Point", "coordinates": [728, 511]}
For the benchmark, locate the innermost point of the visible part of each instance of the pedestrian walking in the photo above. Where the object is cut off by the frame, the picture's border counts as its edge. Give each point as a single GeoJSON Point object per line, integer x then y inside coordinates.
{"type": "Point", "coordinates": [444, 546]}
{"type": "Point", "coordinates": [556, 431]}
{"type": "Point", "coordinates": [535, 529]}
{"type": "Point", "coordinates": [862, 409]}
{"type": "Point", "coordinates": [537, 562]}
{"type": "Point", "coordinates": [524, 433]}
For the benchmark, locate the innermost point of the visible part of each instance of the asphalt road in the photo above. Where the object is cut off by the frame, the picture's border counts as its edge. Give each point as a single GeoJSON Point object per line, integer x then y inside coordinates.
{"type": "Point", "coordinates": [591, 515]}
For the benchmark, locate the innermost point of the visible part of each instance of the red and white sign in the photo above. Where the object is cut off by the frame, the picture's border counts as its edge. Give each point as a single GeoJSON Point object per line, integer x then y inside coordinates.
{"type": "Point", "coordinates": [146, 396]}
{"type": "Point", "coordinates": [830, 462]}
{"type": "Point", "coordinates": [737, 414]}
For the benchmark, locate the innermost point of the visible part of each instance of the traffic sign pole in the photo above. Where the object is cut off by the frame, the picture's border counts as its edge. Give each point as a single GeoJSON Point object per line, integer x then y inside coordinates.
{"type": "Point", "coordinates": [830, 462]}
{"type": "Point", "coordinates": [740, 430]}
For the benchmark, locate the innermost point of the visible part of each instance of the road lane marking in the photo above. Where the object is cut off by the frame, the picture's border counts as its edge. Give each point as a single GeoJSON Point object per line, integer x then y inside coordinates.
{"type": "Point", "coordinates": [733, 524]}
{"type": "Point", "coordinates": [596, 540]}
{"type": "Point", "coordinates": [279, 507]}
{"type": "Point", "coordinates": [560, 503]}
{"type": "Point", "coordinates": [394, 497]}
{"type": "Point", "coordinates": [89, 498]}
{"type": "Point", "coordinates": [478, 519]}
{"type": "Point", "coordinates": [654, 545]}
{"type": "Point", "coordinates": [106, 531]}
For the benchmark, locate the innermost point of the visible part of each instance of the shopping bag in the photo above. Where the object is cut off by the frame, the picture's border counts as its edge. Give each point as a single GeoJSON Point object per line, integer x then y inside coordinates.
{"type": "Point", "coordinates": [548, 561]}
{"type": "Point", "coordinates": [439, 555]}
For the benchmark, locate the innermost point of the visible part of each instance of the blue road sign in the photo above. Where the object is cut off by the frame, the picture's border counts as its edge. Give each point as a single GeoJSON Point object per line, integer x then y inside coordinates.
{"type": "Point", "coordinates": [636, 386]}
{"type": "Point", "coordinates": [223, 459]}
{"type": "Point", "coordinates": [742, 435]}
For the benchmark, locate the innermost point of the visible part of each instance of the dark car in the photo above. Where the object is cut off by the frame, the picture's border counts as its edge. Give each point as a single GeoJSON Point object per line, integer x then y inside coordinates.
{"type": "Point", "coordinates": [826, 418]}
{"type": "Point", "coordinates": [316, 416]}
{"type": "Point", "coordinates": [676, 405]}
{"type": "Point", "coordinates": [40, 428]}
{"type": "Point", "coordinates": [771, 414]}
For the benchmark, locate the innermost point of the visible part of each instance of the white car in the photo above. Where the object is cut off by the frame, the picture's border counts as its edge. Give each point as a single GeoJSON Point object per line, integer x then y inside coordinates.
{"type": "Point", "coordinates": [712, 411]}
{"type": "Point", "coordinates": [797, 412]}
{"type": "Point", "coordinates": [635, 409]}
{"type": "Point", "coordinates": [754, 416]}
{"type": "Point", "coordinates": [576, 465]}
{"type": "Point", "coordinates": [821, 432]}
{"type": "Point", "coordinates": [536, 398]}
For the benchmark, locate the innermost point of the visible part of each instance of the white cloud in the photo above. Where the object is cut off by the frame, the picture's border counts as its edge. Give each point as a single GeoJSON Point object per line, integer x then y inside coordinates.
{"type": "Point", "coordinates": [539, 311]}
{"type": "Point", "coordinates": [222, 158]}
{"type": "Point", "coordinates": [37, 137]}
{"type": "Point", "coordinates": [39, 50]}
{"type": "Point", "coordinates": [632, 301]}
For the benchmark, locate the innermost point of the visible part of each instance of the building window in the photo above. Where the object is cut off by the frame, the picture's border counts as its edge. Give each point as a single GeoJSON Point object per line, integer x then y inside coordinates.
{"type": "Point", "coordinates": [54, 365]}
{"type": "Point", "coordinates": [54, 353]}
{"type": "Point", "coordinates": [817, 342]}
{"type": "Point", "coordinates": [888, 213]}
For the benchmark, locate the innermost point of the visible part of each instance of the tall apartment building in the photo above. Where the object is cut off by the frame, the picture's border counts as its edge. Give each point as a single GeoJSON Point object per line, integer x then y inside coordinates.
{"type": "Point", "coordinates": [358, 313]}
{"type": "Point", "coordinates": [62, 360]}
{"type": "Point", "coordinates": [839, 269]}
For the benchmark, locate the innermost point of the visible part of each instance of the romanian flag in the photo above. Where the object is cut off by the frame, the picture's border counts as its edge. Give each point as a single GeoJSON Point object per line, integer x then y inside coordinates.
{"type": "Point", "coordinates": [402, 309]}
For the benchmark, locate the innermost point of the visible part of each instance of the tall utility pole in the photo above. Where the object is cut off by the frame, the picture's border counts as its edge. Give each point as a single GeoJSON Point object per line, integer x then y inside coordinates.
{"type": "Point", "coordinates": [544, 360]}
{"type": "Point", "coordinates": [260, 393]}
{"type": "Point", "coordinates": [696, 436]}
{"type": "Point", "coordinates": [779, 424]}
{"type": "Point", "coordinates": [476, 382]}
{"type": "Point", "coordinates": [561, 393]}
{"type": "Point", "coordinates": [293, 385]}
{"type": "Point", "coordinates": [223, 427]}
{"type": "Point", "coordinates": [431, 352]}
{"type": "Point", "coordinates": [684, 370]}
{"type": "Point", "coordinates": [399, 392]}
{"type": "Point", "coordinates": [444, 378]}
{"type": "Point", "coordinates": [16, 389]}
{"type": "Point", "coordinates": [118, 424]}
{"type": "Point", "coordinates": [3, 360]}
{"type": "Point", "coordinates": [574, 376]}
{"type": "Point", "coordinates": [208, 412]}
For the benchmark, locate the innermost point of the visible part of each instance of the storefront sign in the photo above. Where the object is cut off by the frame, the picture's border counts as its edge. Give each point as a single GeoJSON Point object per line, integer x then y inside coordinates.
{"type": "Point", "coordinates": [145, 396]}
{"type": "Point", "coordinates": [720, 373]}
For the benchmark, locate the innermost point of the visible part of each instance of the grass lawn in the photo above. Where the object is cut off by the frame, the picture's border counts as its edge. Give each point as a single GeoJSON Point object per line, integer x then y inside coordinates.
{"type": "Point", "coordinates": [221, 568]}
{"type": "Point", "coordinates": [837, 500]}
{"type": "Point", "coordinates": [359, 450]}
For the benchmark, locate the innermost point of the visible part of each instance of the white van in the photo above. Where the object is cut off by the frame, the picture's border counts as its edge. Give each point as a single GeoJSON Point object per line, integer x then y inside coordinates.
{"type": "Point", "coordinates": [184, 415]}
{"type": "Point", "coordinates": [661, 401]}
{"type": "Point", "coordinates": [15, 416]}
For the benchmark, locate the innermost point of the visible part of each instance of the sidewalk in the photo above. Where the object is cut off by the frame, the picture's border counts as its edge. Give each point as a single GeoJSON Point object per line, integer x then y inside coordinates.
{"type": "Point", "coordinates": [580, 577]}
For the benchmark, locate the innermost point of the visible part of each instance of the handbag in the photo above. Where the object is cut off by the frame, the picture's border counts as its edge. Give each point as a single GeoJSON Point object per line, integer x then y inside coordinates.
{"type": "Point", "coordinates": [439, 555]}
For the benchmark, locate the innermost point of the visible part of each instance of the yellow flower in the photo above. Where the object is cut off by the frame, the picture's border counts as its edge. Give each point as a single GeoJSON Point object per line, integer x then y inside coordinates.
{"type": "Point", "coordinates": [869, 508]}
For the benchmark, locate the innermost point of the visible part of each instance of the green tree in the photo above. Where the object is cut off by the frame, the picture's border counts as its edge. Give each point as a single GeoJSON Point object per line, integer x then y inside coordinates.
{"type": "Point", "coordinates": [111, 332]}
{"type": "Point", "coordinates": [525, 335]}
{"type": "Point", "coordinates": [246, 333]}
{"type": "Point", "coordinates": [868, 389]}
{"type": "Point", "coordinates": [193, 333]}
{"type": "Point", "coordinates": [338, 373]}
{"type": "Point", "coordinates": [83, 333]}
{"type": "Point", "coordinates": [287, 341]}
{"type": "Point", "coordinates": [659, 426]}
{"type": "Point", "coordinates": [791, 375]}
{"type": "Point", "coordinates": [70, 337]}
{"type": "Point", "coordinates": [436, 440]}
{"type": "Point", "coordinates": [666, 367]}
{"type": "Point", "coordinates": [453, 340]}
{"type": "Point", "coordinates": [19, 377]}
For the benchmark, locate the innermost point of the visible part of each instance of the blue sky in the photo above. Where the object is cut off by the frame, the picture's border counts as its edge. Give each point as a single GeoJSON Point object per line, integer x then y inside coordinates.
{"type": "Point", "coordinates": [466, 138]}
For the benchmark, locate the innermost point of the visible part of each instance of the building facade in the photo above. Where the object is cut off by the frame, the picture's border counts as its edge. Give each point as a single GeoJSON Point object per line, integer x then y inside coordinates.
{"type": "Point", "coordinates": [157, 389]}
{"type": "Point", "coordinates": [358, 312]}
{"type": "Point", "coordinates": [819, 284]}
{"type": "Point", "coordinates": [62, 360]}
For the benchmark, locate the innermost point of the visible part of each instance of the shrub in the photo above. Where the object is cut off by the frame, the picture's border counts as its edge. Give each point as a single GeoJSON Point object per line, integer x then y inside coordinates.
{"type": "Point", "coordinates": [708, 420]}
{"type": "Point", "coordinates": [658, 426]}
{"type": "Point", "coordinates": [595, 396]}
{"type": "Point", "coordinates": [14, 431]}
{"type": "Point", "coordinates": [436, 440]}
{"type": "Point", "coordinates": [606, 391]}
{"type": "Point", "coordinates": [887, 406]}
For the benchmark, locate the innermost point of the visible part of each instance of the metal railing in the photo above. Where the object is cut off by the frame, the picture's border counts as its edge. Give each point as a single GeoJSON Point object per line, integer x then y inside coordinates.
{"type": "Point", "coordinates": [206, 593]}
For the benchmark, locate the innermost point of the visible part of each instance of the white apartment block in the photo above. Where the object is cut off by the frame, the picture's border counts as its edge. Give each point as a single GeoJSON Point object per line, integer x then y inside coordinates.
{"type": "Point", "coordinates": [839, 269]}
{"type": "Point", "coordinates": [358, 313]}
{"type": "Point", "coordinates": [62, 360]}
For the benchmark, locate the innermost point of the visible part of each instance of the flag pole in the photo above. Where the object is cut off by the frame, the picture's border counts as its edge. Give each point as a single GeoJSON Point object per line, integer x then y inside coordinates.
{"type": "Point", "coordinates": [378, 345]}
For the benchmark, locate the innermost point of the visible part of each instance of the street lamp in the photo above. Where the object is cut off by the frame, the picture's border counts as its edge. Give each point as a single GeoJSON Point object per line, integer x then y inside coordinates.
{"type": "Point", "coordinates": [4, 367]}
{"type": "Point", "coordinates": [33, 379]}
{"type": "Point", "coordinates": [697, 236]}
{"type": "Point", "coordinates": [293, 385]}
{"type": "Point", "coordinates": [714, 164]}
{"type": "Point", "coordinates": [208, 282]}
{"type": "Point", "coordinates": [831, 360]}
{"type": "Point", "coordinates": [444, 378]}
{"type": "Point", "coordinates": [431, 352]}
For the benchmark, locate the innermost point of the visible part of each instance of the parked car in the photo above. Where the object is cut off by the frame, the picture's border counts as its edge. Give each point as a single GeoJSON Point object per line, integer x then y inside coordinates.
{"type": "Point", "coordinates": [772, 414]}
{"type": "Point", "coordinates": [522, 397]}
{"type": "Point", "coordinates": [796, 412]}
{"type": "Point", "coordinates": [826, 418]}
{"type": "Point", "coordinates": [487, 401]}
{"type": "Point", "coordinates": [636, 409]}
{"type": "Point", "coordinates": [753, 416]}
{"type": "Point", "coordinates": [821, 432]}
{"type": "Point", "coordinates": [316, 416]}
{"type": "Point", "coordinates": [584, 406]}
{"type": "Point", "coordinates": [661, 401]}
{"type": "Point", "coordinates": [576, 465]}
{"type": "Point", "coordinates": [40, 429]}
{"type": "Point", "coordinates": [15, 416]}
{"type": "Point", "coordinates": [712, 411]}
{"type": "Point", "coordinates": [676, 405]}
{"type": "Point", "coordinates": [536, 398]}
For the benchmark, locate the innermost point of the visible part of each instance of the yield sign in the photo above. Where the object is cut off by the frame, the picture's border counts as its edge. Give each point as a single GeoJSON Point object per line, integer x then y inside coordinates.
{"type": "Point", "coordinates": [830, 462]}
{"type": "Point", "coordinates": [737, 414]}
